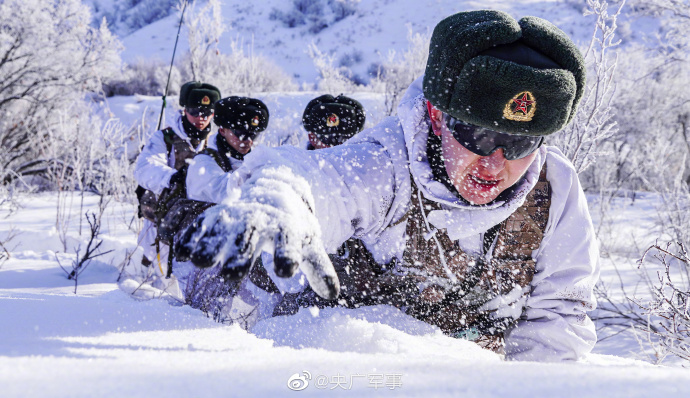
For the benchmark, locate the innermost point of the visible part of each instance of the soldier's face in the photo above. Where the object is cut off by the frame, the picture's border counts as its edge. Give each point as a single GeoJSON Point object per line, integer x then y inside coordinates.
{"type": "Point", "coordinates": [240, 144]}
{"type": "Point", "coordinates": [200, 121]}
{"type": "Point", "coordinates": [478, 179]}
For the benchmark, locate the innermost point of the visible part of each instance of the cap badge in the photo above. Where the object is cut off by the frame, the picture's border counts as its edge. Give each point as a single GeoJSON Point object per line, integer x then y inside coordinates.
{"type": "Point", "coordinates": [255, 121]}
{"type": "Point", "coordinates": [333, 120]}
{"type": "Point", "coordinates": [206, 100]}
{"type": "Point", "coordinates": [521, 108]}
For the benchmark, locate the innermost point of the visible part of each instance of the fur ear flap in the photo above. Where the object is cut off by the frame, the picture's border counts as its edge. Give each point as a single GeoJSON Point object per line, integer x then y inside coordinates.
{"type": "Point", "coordinates": [185, 90]}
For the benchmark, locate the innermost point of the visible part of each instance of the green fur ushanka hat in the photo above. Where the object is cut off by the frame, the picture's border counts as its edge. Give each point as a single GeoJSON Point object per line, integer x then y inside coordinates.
{"type": "Point", "coordinates": [241, 113]}
{"type": "Point", "coordinates": [198, 95]}
{"type": "Point", "coordinates": [333, 120]}
{"type": "Point", "coordinates": [521, 77]}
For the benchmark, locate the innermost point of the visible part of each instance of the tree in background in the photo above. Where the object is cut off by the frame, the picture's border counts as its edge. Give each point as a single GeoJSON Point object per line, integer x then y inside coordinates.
{"type": "Point", "coordinates": [50, 58]}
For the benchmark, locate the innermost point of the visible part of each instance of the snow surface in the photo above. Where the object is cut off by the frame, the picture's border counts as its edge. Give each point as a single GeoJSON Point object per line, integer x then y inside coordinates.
{"type": "Point", "coordinates": [102, 342]}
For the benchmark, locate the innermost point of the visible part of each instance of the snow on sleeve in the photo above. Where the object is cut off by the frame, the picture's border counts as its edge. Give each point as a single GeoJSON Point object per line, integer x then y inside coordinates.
{"type": "Point", "coordinates": [206, 181]}
{"type": "Point", "coordinates": [555, 325]}
{"type": "Point", "coordinates": [351, 185]}
{"type": "Point", "coordinates": [152, 170]}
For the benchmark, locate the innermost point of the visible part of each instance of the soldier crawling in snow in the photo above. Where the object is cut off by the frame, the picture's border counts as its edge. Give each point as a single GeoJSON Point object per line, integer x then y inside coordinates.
{"type": "Point", "coordinates": [329, 121]}
{"type": "Point", "coordinates": [472, 224]}
{"type": "Point", "coordinates": [240, 120]}
{"type": "Point", "coordinates": [161, 167]}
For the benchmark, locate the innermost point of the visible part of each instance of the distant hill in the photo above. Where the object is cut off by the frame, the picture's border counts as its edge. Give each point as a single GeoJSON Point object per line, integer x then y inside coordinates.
{"type": "Point", "coordinates": [358, 34]}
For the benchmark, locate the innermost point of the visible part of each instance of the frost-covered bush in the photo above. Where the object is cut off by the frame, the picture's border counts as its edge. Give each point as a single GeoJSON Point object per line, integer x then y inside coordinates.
{"type": "Point", "coordinates": [398, 71]}
{"type": "Point", "coordinates": [144, 77]}
{"type": "Point", "coordinates": [332, 78]}
{"type": "Point", "coordinates": [50, 56]}
{"type": "Point", "coordinates": [650, 150]}
{"type": "Point", "coordinates": [593, 122]}
{"type": "Point", "coordinates": [83, 152]}
{"type": "Point", "coordinates": [668, 311]}
{"type": "Point", "coordinates": [240, 71]}
{"type": "Point", "coordinates": [317, 15]}
{"type": "Point", "coordinates": [638, 137]}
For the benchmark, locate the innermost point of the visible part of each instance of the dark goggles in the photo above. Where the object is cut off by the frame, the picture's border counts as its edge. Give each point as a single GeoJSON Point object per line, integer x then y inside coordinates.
{"type": "Point", "coordinates": [196, 112]}
{"type": "Point", "coordinates": [243, 135]}
{"type": "Point", "coordinates": [484, 142]}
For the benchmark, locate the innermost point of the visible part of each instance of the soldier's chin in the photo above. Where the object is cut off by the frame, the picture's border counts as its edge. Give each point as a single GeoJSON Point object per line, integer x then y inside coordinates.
{"type": "Point", "coordinates": [479, 196]}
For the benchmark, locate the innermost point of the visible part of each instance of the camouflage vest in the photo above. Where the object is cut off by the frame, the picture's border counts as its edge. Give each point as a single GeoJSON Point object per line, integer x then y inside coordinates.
{"type": "Point", "coordinates": [454, 306]}
{"type": "Point", "coordinates": [181, 150]}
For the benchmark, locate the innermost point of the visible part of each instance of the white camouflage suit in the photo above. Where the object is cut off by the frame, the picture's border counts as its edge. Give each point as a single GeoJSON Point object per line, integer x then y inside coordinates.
{"type": "Point", "coordinates": [152, 171]}
{"type": "Point", "coordinates": [362, 188]}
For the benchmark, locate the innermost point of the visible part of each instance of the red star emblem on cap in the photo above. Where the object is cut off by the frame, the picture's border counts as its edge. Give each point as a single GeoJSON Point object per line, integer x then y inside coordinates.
{"type": "Point", "coordinates": [522, 103]}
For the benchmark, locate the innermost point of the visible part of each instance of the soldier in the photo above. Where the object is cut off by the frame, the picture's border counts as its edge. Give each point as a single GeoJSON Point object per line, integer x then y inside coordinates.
{"type": "Point", "coordinates": [331, 121]}
{"type": "Point", "coordinates": [472, 224]}
{"type": "Point", "coordinates": [161, 166]}
{"type": "Point", "coordinates": [239, 121]}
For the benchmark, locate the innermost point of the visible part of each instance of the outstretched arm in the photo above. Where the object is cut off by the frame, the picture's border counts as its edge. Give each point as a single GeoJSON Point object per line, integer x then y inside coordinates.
{"type": "Point", "coordinates": [297, 205]}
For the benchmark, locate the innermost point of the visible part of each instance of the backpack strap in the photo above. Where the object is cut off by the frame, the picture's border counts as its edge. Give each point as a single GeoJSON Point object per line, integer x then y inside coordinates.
{"type": "Point", "coordinates": [169, 138]}
{"type": "Point", "coordinates": [221, 160]}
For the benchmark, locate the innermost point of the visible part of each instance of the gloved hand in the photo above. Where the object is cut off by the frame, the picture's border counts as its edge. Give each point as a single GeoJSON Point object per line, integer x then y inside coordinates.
{"type": "Point", "coordinates": [181, 214]}
{"type": "Point", "coordinates": [176, 190]}
{"type": "Point", "coordinates": [272, 212]}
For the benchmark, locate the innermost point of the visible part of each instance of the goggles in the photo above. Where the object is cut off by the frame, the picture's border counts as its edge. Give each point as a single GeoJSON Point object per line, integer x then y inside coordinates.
{"type": "Point", "coordinates": [484, 142]}
{"type": "Point", "coordinates": [243, 135]}
{"type": "Point", "coordinates": [196, 112]}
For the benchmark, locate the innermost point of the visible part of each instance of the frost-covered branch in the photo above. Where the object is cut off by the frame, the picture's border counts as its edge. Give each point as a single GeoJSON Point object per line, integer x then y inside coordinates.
{"type": "Point", "coordinates": [398, 71]}
{"type": "Point", "coordinates": [594, 122]}
{"type": "Point", "coordinates": [93, 245]}
{"type": "Point", "coordinates": [669, 308]}
{"type": "Point", "coordinates": [4, 243]}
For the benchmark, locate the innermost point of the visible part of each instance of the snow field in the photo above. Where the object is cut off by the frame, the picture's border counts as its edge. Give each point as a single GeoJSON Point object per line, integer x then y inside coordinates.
{"type": "Point", "coordinates": [102, 342]}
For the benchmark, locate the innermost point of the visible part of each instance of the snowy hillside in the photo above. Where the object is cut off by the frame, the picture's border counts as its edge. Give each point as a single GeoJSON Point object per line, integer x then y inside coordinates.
{"type": "Point", "coordinates": [360, 41]}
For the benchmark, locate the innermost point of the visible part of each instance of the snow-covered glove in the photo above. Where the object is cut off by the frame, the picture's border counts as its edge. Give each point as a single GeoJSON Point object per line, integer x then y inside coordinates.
{"type": "Point", "coordinates": [507, 306]}
{"type": "Point", "coordinates": [272, 212]}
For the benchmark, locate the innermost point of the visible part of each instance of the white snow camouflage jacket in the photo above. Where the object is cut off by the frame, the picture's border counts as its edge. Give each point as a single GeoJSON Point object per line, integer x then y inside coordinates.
{"type": "Point", "coordinates": [155, 165]}
{"type": "Point", "coordinates": [206, 180]}
{"type": "Point", "coordinates": [363, 187]}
